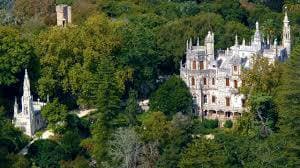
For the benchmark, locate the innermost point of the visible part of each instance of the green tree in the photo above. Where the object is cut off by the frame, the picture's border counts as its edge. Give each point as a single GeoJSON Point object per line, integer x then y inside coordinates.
{"type": "Point", "coordinates": [55, 114]}
{"type": "Point", "coordinates": [138, 52]}
{"type": "Point", "coordinates": [203, 153]}
{"type": "Point", "coordinates": [108, 108]}
{"type": "Point", "coordinates": [156, 127]}
{"type": "Point", "coordinates": [172, 97]}
{"type": "Point", "coordinates": [78, 162]}
{"type": "Point", "coordinates": [69, 58]}
{"type": "Point", "coordinates": [288, 101]}
{"type": "Point", "coordinates": [46, 153]}
{"type": "Point", "coordinates": [70, 142]}
{"type": "Point", "coordinates": [132, 108]}
{"type": "Point", "coordinates": [16, 54]}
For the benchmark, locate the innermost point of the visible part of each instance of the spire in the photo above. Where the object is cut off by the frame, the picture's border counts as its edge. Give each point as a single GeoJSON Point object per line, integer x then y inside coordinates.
{"type": "Point", "coordinates": [257, 26]}
{"type": "Point", "coordinates": [191, 43]}
{"type": "Point", "coordinates": [236, 40]}
{"type": "Point", "coordinates": [244, 42]}
{"type": "Point", "coordinates": [16, 107]}
{"type": "Point", "coordinates": [286, 34]}
{"type": "Point", "coordinates": [26, 84]}
{"type": "Point", "coordinates": [26, 98]}
{"type": "Point", "coordinates": [286, 19]}
{"type": "Point", "coordinates": [198, 43]}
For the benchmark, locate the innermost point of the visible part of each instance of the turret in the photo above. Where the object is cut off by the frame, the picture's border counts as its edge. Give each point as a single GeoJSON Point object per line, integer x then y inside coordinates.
{"type": "Point", "coordinates": [286, 35]}
{"type": "Point", "coordinates": [191, 43]}
{"type": "Point", "coordinates": [209, 43]}
{"type": "Point", "coordinates": [16, 108]}
{"type": "Point", "coordinates": [187, 45]}
{"type": "Point", "coordinates": [236, 40]}
{"type": "Point", "coordinates": [257, 37]}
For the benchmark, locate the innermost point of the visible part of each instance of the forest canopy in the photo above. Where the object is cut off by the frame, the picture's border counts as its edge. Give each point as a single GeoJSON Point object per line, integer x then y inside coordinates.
{"type": "Point", "coordinates": [116, 54]}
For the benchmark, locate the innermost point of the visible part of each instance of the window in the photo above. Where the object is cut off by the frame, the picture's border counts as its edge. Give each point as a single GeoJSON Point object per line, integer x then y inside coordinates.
{"type": "Point", "coordinates": [213, 99]}
{"type": "Point", "coordinates": [204, 81]}
{"type": "Point", "coordinates": [201, 65]}
{"type": "Point", "coordinates": [227, 81]}
{"type": "Point", "coordinates": [205, 98]}
{"type": "Point", "coordinates": [243, 103]}
{"type": "Point", "coordinates": [235, 68]}
{"type": "Point", "coordinates": [213, 81]}
{"type": "Point", "coordinates": [193, 81]}
{"type": "Point", "coordinates": [235, 84]}
{"type": "Point", "coordinates": [227, 101]}
{"type": "Point", "coordinates": [194, 65]}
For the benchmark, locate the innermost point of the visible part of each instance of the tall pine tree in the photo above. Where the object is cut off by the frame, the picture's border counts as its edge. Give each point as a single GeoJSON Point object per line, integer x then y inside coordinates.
{"type": "Point", "coordinates": [288, 100]}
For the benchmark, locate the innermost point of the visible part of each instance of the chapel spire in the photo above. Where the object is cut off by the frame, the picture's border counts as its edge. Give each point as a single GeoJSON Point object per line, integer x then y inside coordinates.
{"type": "Point", "coordinates": [286, 34]}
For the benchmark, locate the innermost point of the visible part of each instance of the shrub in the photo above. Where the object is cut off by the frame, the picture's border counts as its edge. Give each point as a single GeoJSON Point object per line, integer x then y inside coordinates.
{"type": "Point", "coordinates": [228, 124]}
{"type": "Point", "coordinates": [211, 124]}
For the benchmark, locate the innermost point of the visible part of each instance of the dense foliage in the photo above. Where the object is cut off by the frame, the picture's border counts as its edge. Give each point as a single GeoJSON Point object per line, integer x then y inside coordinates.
{"type": "Point", "coordinates": [119, 52]}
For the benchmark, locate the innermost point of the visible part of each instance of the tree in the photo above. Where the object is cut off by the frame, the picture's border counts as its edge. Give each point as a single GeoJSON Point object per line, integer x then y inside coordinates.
{"type": "Point", "coordinates": [78, 162]}
{"type": "Point", "coordinates": [69, 59]}
{"type": "Point", "coordinates": [46, 153]}
{"type": "Point", "coordinates": [55, 114]}
{"type": "Point", "coordinates": [260, 84]}
{"type": "Point", "coordinates": [125, 148]}
{"type": "Point", "coordinates": [132, 108]}
{"type": "Point", "coordinates": [70, 142]}
{"type": "Point", "coordinates": [172, 97]}
{"type": "Point", "coordinates": [203, 153]}
{"type": "Point", "coordinates": [180, 137]}
{"type": "Point", "coordinates": [138, 52]}
{"type": "Point", "coordinates": [25, 9]}
{"type": "Point", "coordinates": [16, 54]}
{"type": "Point", "coordinates": [155, 127]}
{"type": "Point", "coordinates": [288, 101]}
{"type": "Point", "coordinates": [108, 108]}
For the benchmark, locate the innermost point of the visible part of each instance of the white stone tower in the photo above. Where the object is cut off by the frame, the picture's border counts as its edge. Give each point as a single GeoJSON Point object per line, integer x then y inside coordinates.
{"type": "Point", "coordinates": [286, 35]}
{"type": "Point", "coordinates": [64, 15]}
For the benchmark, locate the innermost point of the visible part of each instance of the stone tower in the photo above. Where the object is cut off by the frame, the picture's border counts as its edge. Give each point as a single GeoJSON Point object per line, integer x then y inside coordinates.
{"type": "Point", "coordinates": [64, 15]}
{"type": "Point", "coordinates": [286, 35]}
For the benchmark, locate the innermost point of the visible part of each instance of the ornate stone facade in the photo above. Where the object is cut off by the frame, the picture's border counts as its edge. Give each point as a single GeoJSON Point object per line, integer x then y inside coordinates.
{"type": "Point", "coordinates": [214, 79]}
{"type": "Point", "coordinates": [28, 118]}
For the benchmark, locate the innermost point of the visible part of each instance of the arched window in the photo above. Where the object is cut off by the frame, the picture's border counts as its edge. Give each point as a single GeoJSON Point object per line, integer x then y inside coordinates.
{"type": "Point", "coordinates": [194, 65]}
{"type": "Point", "coordinates": [201, 65]}
{"type": "Point", "coordinates": [193, 81]}
{"type": "Point", "coordinates": [205, 99]}
{"type": "Point", "coordinates": [213, 99]}
{"type": "Point", "coordinates": [235, 68]}
{"type": "Point", "coordinates": [204, 81]}
{"type": "Point", "coordinates": [213, 81]}
{"type": "Point", "coordinates": [227, 81]}
{"type": "Point", "coordinates": [227, 101]}
{"type": "Point", "coordinates": [235, 84]}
